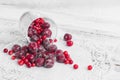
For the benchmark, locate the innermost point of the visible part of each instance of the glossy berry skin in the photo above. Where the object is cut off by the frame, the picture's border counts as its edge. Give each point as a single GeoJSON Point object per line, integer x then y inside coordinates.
{"type": "Point", "coordinates": [5, 50]}
{"type": "Point", "coordinates": [49, 63]}
{"type": "Point", "coordinates": [10, 52]}
{"type": "Point", "coordinates": [75, 66]}
{"type": "Point", "coordinates": [89, 67]}
{"type": "Point", "coordinates": [69, 43]}
{"type": "Point", "coordinates": [39, 21]}
{"type": "Point", "coordinates": [28, 64]}
{"type": "Point", "coordinates": [16, 48]}
{"type": "Point", "coordinates": [70, 61]}
{"type": "Point", "coordinates": [66, 62]}
{"type": "Point", "coordinates": [20, 62]}
{"type": "Point", "coordinates": [67, 37]}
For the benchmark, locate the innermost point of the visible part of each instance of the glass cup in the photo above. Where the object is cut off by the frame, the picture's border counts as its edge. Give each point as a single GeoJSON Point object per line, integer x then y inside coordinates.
{"type": "Point", "coordinates": [28, 17]}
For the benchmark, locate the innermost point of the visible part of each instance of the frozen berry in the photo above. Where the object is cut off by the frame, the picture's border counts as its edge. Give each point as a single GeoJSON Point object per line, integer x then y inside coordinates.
{"type": "Point", "coordinates": [60, 58]}
{"type": "Point", "coordinates": [34, 38]}
{"type": "Point", "coordinates": [32, 46]}
{"type": "Point", "coordinates": [49, 63]}
{"type": "Point", "coordinates": [51, 48]}
{"type": "Point", "coordinates": [45, 25]}
{"type": "Point", "coordinates": [5, 50]}
{"type": "Point", "coordinates": [39, 20]}
{"type": "Point", "coordinates": [67, 37]}
{"type": "Point", "coordinates": [39, 62]}
{"type": "Point", "coordinates": [16, 48]}
{"type": "Point", "coordinates": [69, 43]}
{"type": "Point", "coordinates": [58, 52]}
{"type": "Point", "coordinates": [47, 32]}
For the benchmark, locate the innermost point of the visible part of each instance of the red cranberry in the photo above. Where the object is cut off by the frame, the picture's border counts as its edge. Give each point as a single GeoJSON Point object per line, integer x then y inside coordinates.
{"type": "Point", "coordinates": [65, 53]}
{"type": "Point", "coordinates": [45, 25]}
{"type": "Point", "coordinates": [25, 60]}
{"type": "Point", "coordinates": [33, 64]}
{"type": "Point", "coordinates": [89, 67]}
{"type": "Point", "coordinates": [10, 52]}
{"type": "Point", "coordinates": [44, 37]}
{"type": "Point", "coordinates": [60, 58]}
{"type": "Point", "coordinates": [38, 42]}
{"type": "Point", "coordinates": [70, 61]}
{"type": "Point", "coordinates": [49, 63]}
{"type": "Point", "coordinates": [39, 20]}
{"type": "Point", "coordinates": [20, 62]}
{"type": "Point", "coordinates": [67, 37]}
{"type": "Point", "coordinates": [47, 32]}
{"type": "Point", "coordinates": [13, 57]}
{"type": "Point", "coordinates": [39, 62]}
{"type": "Point", "coordinates": [5, 50]}
{"type": "Point", "coordinates": [28, 64]}
{"type": "Point", "coordinates": [16, 48]}
{"type": "Point", "coordinates": [69, 43]}
{"type": "Point", "coordinates": [50, 40]}
{"type": "Point", "coordinates": [66, 62]}
{"type": "Point", "coordinates": [55, 40]}
{"type": "Point", "coordinates": [75, 66]}
{"type": "Point", "coordinates": [30, 57]}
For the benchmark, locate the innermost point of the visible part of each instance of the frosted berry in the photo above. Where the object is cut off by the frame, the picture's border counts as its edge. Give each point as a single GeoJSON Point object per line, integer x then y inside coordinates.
{"type": "Point", "coordinates": [67, 37]}
{"type": "Point", "coordinates": [5, 50]}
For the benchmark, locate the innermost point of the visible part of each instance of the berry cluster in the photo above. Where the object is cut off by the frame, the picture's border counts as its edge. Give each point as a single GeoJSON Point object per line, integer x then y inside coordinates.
{"type": "Point", "coordinates": [67, 38]}
{"type": "Point", "coordinates": [40, 51]}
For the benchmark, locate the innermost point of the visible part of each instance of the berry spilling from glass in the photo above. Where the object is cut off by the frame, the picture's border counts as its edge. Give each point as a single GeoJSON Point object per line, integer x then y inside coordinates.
{"type": "Point", "coordinates": [40, 51]}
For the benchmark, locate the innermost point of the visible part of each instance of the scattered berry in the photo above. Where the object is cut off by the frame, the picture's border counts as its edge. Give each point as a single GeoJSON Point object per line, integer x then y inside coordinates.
{"type": "Point", "coordinates": [55, 40]}
{"type": "Point", "coordinates": [13, 57]}
{"type": "Point", "coordinates": [89, 67]}
{"type": "Point", "coordinates": [5, 50]}
{"type": "Point", "coordinates": [10, 52]}
{"type": "Point", "coordinates": [69, 43]}
{"type": "Point", "coordinates": [75, 66]}
{"type": "Point", "coordinates": [20, 62]}
{"type": "Point", "coordinates": [67, 37]}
